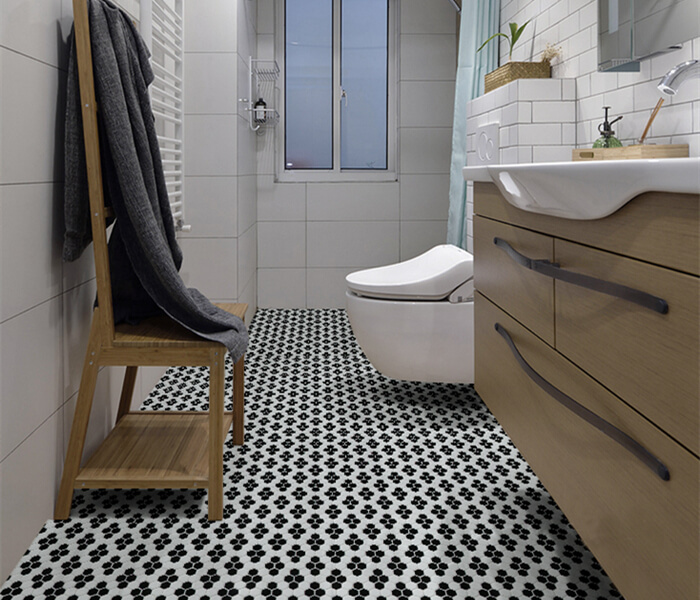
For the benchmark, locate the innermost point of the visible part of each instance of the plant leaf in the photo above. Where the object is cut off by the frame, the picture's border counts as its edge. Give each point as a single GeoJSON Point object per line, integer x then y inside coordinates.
{"type": "Point", "coordinates": [493, 36]}
{"type": "Point", "coordinates": [515, 32]}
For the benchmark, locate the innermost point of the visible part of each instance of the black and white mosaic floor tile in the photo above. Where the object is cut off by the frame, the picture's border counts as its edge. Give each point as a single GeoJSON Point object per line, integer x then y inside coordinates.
{"type": "Point", "coordinates": [349, 486]}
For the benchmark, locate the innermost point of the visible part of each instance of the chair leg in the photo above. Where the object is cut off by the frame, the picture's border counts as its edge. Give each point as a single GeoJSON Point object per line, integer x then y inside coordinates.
{"type": "Point", "coordinates": [216, 435]}
{"type": "Point", "coordinates": [81, 417]}
{"type": "Point", "coordinates": [238, 403]}
{"type": "Point", "coordinates": [127, 392]}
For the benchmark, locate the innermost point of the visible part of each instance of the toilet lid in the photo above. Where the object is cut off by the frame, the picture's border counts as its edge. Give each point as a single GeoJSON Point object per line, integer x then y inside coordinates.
{"type": "Point", "coordinates": [432, 275]}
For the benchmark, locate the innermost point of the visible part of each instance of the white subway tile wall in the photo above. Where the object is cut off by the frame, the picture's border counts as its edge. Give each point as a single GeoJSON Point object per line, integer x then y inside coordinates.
{"type": "Point", "coordinates": [543, 120]}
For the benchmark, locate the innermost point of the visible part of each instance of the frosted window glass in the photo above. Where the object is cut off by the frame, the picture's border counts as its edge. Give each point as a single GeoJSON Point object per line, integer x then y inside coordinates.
{"type": "Point", "coordinates": [309, 84]}
{"type": "Point", "coordinates": [363, 112]}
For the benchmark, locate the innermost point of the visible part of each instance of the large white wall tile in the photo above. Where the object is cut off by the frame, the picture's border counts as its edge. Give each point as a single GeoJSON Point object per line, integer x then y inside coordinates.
{"type": "Point", "coordinates": [353, 201]}
{"type": "Point", "coordinates": [281, 244]}
{"type": "Point", "coordinates": [78, 305]}
{"type": "Point", "coordinates": [211, 206]}
{"type": "Point", "coordinates": [247, 256]}
{"type": "Point", "coordinates": [247, 145]}
{"type": "Point", "coordinates": [280, 202]}
{"type": "Point", "coordinates": [211, 26]}
{"type": "Point", "coordinates": [419, 236]}
{"type": "Point", "coordinates": [325, 288]}
{"type": "Point", "coordinates": [266, 16]}
{"type": "Point", "coordinates": [39, 36]}
{"type": "Point", "coordinates": [247, 200]}
{"type": "Point", "coordinates": [31, 120]}
{"type": "Point", "coordinates": [352, 243]}
{"type": "Point", "coordinates": [211, 145]}
{"type": "Point", "coordinates": [428, 57]}
{"type": "Point", "coordinates": [31, 379]}
{"type": "Point", "coordinates": [281, 288]}
{"type": "Point", "coordinates": [210, 265]}
{"type": "Point", "coordinates": [211, 82]}
{"type": "Point", "coordinates": [419, 16]}
{"type": "Point", "coordinates": [425, 150]}
{"type": "Point", "coordinates": [249, 296]}
{"type": "Point", "coordinates": [29, 479]}
{"type": "Point", "coordinates": [425, 197]}
{"type": "Point", "coordinates": [427, 103]}
{"type": "Point", "coordinates": [30, 265]}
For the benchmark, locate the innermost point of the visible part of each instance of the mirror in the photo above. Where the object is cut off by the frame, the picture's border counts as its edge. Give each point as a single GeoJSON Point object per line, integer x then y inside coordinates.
{"type": "Point", "coordinates": [632, 30]}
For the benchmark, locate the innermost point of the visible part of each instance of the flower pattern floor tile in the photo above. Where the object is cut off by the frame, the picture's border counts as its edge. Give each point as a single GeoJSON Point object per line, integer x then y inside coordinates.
{"type": "Point", "coordinates": [349, 486]}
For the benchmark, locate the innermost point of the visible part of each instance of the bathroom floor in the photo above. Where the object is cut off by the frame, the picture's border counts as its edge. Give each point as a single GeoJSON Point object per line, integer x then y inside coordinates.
{"type": "Point", "coordinates": [349, 485]}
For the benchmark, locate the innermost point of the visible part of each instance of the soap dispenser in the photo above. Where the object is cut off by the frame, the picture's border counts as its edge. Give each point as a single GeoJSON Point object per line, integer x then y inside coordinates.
{"type": "Point", "coordinates": [607, 139]}
{"type": "Point", "coordinates": [259, 111]}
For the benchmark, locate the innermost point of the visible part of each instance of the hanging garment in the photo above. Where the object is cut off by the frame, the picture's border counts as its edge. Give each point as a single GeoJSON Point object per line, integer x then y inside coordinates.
{"type": "Point", "coordinates": [144, 256]}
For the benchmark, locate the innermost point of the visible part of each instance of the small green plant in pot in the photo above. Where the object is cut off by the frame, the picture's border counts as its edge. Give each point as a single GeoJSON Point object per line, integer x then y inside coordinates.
{"type": "Point", "coordinates": [515, 33]}
{"type": "Point", "coordinates": [514, 70]}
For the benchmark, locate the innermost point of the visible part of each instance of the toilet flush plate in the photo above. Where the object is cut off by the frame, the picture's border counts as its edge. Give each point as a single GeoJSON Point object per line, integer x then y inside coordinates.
{"type": "Point", "coordinates": [488, 144]}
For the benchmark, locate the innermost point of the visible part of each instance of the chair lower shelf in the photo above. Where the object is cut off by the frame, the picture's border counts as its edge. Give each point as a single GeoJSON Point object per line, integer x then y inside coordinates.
{"type": "Point", "coordinates": [153, 450]}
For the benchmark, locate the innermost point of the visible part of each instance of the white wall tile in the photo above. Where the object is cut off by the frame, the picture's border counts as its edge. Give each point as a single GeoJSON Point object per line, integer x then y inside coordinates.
{"type": "Point", "coordinates": [428, 57]}
{"type": "Point", "coordinates": [325, 288]}
{"type": "Point", "coordinates": [38, 37]}
{"type": "Point", "coordinates": [210, 266]}
{"type": "Point", "coordinates": [247, 199]}
{"type": "Point", "coordinates": [419, 236]}
{"type": "Point", "coordinates": [31, 120]}
{"type": "Point", "coordinates": [281, 288]}
{"type": "Point", "coordinates": [211, 145]}
{"type": "Point", "coordinates": [419, 16]}
{"type": "Point", "coordinates": [280, 201]}
{"type": "Point", "coordinates": [77, 315]}
{"type": "Point", "coordinates": [210, 26]}
{"type": "Point", "coordinates": [425, 150]}
{"type": "Point", "coordinates": [211, 206]}
{"type": "Point", "coordinates": [249, 296]}
{"type": "Point", "coordinates": [352, 243]}
{"type": "Point", "coordinates": [247, 256]}
{"type": "Point", "coordinates": [211, 82]}
{"type": "Point", "coordinates": [551, 153]}
{"type": "Point", "coordinates": [266, 16]}
{"type": "Point", "coordinates": [30, 265]}
{"type": "Point", "coordinates": [246, 151]}
{"type": "Point", "coordinates": [563, 111]}
{"type": "Point", "coordinates": [31, 380]}
{"type": "Point", "coordinates": [425, 197]}
{"type": "Point", "coordinates": [539, 89]}
{"type": "Point", "coordinates": [29, 479]}
{"type": "Point", "coordinates": [245, 31]}
{"type": "Point", "coordinates": [352, 201]}
{"type": "Point", "coordinates": [427, 103]}
{"type": "Point", "coordinates": [266, 47]}
{"type": "Point", "coordinates": [281, 244]}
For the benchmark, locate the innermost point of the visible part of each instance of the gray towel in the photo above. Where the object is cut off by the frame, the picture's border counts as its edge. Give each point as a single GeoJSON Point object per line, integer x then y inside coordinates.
{"type": "Point", "coordinates": [144, 255]}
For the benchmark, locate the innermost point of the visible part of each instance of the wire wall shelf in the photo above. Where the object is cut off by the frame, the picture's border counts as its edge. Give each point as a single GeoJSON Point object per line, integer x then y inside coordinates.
{"type": "Point", "coordinates": [262, 94]}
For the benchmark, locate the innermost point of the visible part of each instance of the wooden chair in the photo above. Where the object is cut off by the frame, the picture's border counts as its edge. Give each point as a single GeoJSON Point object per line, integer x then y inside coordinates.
{"type": "Point", "coordinates": [163, 450]}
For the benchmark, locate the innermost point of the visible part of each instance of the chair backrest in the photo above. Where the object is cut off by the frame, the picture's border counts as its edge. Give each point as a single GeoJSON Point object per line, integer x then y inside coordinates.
{"type": "Point", "coordinates": [94, 169]}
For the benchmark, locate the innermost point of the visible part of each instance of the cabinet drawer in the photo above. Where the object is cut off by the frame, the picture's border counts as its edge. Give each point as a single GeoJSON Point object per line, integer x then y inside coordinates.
{"type": "Point", "coordinates": [527, 296]}
{"type": "Point", "coordinates": [643, 530]}
{"type": "Point", "coordinates": [659, 228]}
{"type": "Point", "coordinates": [647, 358]}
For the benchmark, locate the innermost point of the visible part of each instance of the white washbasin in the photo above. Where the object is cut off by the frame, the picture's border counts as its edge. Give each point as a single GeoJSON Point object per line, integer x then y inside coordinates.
{"type": "Point", "coordinates": [587, 189]}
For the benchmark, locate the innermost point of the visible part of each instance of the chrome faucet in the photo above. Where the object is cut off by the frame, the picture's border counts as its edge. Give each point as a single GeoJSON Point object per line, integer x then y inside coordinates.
{"type": "Point", "coordinates": [677, 75]}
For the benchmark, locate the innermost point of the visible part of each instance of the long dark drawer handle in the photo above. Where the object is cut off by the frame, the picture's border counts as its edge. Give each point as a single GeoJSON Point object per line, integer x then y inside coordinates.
{"type": "Point", "coordinates": [589, 416]}
{"type": "Point", "coordinates": [553, 270]}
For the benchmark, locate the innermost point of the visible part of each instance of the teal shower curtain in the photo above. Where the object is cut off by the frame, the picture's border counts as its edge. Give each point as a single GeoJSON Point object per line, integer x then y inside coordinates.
{"type": "Point", "coordinates": [480, 20]}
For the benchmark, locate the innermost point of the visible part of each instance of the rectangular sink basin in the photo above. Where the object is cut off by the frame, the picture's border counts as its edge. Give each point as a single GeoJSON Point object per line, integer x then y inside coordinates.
{"type": "Point", "coordinates": [587, 190]}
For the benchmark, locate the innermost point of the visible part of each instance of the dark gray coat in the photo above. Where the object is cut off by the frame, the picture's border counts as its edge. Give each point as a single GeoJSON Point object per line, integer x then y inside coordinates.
{"type": "Point", "coordinates": [144, 255]}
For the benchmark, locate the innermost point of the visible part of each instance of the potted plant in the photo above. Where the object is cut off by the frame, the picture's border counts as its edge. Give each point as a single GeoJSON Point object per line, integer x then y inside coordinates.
{"type": "Point", "coordinates": [514, 70]}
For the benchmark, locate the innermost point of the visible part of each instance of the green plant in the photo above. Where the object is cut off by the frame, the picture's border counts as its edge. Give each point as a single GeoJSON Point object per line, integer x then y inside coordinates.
{"type": "Point", "coordinates": [515, 33]}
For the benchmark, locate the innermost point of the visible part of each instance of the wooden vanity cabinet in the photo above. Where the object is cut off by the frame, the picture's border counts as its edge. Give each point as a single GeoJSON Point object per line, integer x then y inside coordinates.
{"type": "Point", "coordinates": [634, 368]}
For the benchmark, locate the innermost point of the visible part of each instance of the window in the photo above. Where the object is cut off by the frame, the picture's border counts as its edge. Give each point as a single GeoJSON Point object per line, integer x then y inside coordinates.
{"type": "Point", "coordinates": [338, 90]}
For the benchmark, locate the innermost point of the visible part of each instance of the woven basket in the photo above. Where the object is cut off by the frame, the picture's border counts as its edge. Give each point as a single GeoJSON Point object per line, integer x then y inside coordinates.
{"type": "Point", "coordinates": [516, 70]}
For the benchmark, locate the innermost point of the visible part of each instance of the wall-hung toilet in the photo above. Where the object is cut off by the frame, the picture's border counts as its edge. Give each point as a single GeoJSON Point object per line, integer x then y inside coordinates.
{"type": "Point", "coordinates": [414, 320]}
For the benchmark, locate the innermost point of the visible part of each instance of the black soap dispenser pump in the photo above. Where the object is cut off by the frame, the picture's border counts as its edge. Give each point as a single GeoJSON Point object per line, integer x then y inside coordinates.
{"type": "Point", "coordinates": [259, 115]}
{"type": "Point", "coordinates": [607, 139]}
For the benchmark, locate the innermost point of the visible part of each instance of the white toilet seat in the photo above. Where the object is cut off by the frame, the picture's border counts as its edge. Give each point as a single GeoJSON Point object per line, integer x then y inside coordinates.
{"type": "Point", "coordinates": [432, 275]}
